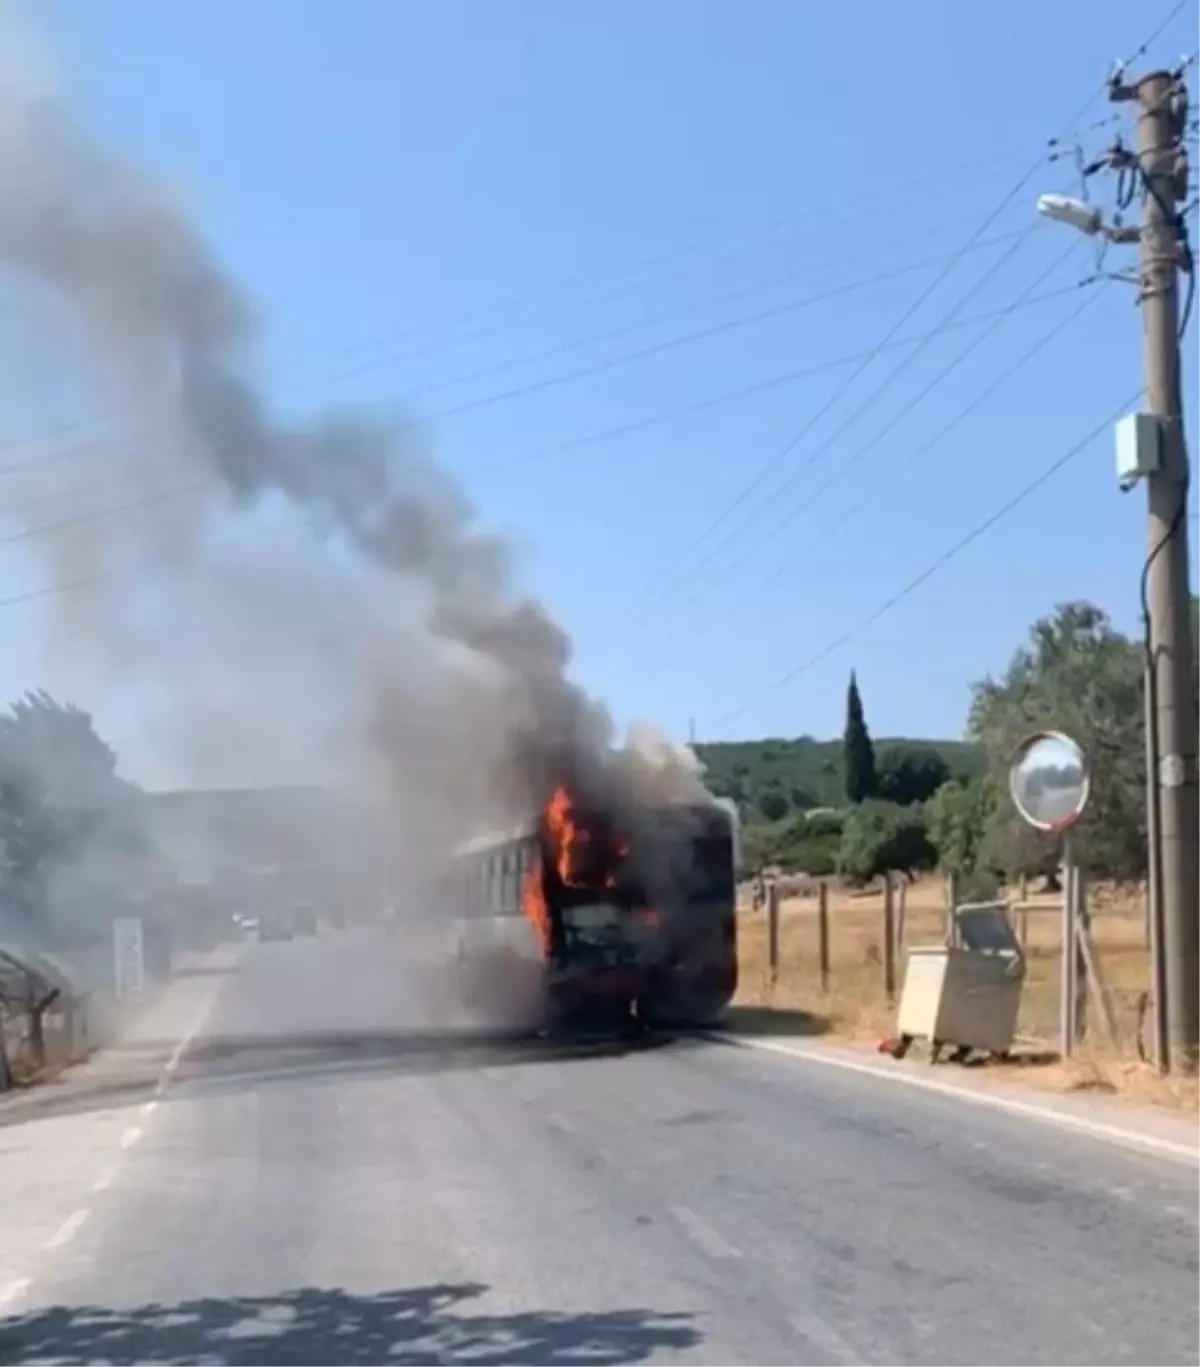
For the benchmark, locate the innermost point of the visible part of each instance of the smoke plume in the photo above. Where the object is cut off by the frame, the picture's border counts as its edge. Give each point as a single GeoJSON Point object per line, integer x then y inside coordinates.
{"type": "Point", "coordinates": [377, 630]}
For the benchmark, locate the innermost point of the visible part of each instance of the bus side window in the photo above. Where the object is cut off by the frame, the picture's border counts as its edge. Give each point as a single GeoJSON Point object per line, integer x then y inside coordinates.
{"type": "Point", "coordinates": [513, 897]}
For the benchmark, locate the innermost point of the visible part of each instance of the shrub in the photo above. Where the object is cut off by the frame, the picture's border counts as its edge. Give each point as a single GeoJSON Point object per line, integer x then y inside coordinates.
{"type": "Point", "coordinates": [881, 837]}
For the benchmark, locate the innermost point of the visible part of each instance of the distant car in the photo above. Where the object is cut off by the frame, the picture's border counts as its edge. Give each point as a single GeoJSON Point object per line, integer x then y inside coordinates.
{"type": "Point", "coordinates": [276, 928]}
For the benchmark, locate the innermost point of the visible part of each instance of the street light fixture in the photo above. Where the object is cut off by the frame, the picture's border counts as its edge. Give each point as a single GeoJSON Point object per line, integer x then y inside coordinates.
{"type": "Point", "coordinates": [1084, 218]}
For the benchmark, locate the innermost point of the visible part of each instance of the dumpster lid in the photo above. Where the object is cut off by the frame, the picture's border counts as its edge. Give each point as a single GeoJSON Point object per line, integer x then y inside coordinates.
{"type": "Point", "coordinates": [985, 928]}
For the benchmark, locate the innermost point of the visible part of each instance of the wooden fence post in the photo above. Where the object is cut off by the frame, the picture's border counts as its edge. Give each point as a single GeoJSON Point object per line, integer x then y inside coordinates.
{"type": "Point", "coordinates": [823, 933]}
{"type": "Point", "coordinates": [889, 939]}
{"type": "Point", "coordinates": [951, 902]}
{"type": "Point", "coordinates": [1082, 931]}
{"type": "Point", "coordinates": [1066, 967]}
{"type": "Point", "coordinates": [773, 930]}
{"type": "Point", "coordinates": [901, 909]}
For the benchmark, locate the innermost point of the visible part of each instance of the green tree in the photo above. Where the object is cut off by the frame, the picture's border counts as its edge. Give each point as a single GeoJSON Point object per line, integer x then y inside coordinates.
{"type": "Point", "coordinates": [63, 810]}
{"type": "Point", "coordinates": [858, 753]}
{"type": "Point", "coordinates": [961, 817]}
{"type": "Point", "coordinates": [910, 773]}
{"type": "Point", "coordinates": [773, 803]}
{"type": "Point", "coordinates": [1076, 674]}
{"type": "Point", "coordinates": [881, 837]}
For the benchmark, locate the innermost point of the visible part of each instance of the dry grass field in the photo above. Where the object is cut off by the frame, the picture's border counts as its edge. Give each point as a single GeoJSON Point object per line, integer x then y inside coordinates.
{"type": "Point", "coordinates": [856, 1006]}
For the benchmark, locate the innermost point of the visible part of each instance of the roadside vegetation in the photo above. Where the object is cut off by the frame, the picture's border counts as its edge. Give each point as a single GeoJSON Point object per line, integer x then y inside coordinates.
{"type": "Point", "coordinates": [859, 808]}
{"type": "Point", "coordinates": [856, 811]}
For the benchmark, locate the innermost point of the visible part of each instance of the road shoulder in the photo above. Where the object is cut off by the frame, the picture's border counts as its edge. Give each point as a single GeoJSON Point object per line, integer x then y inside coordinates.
{"type": "Point", "coordinates": [1148, 1129]}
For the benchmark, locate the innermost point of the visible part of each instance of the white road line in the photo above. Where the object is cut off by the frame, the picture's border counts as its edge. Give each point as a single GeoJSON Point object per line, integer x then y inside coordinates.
{"type": "Point", "coordinates": [824, 1338]}
{"type": "Point", "coordinates": [703, 1234]}
{"type": "Point", "coordinates": [899, 1075]}
{"type": "Point", "coordinates": [67, 1230]}
{"type": "Point", "coordinates": [11, 1292]}
{"type": "Point", "coordinates": [186, 1042]}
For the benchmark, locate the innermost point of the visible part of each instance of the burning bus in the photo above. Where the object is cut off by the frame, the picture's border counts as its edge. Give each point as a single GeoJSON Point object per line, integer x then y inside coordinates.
{"type": "Point", "coordinates": [585, 917]}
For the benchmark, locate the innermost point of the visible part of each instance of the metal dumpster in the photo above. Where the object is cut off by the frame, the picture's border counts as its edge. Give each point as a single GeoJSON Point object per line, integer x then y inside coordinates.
{"type": "Point", "coordinates": [966, 994]}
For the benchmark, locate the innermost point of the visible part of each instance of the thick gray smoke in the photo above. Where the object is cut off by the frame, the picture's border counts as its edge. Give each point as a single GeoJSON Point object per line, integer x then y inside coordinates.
{"type": "Point", "coordinates": [380, 633]}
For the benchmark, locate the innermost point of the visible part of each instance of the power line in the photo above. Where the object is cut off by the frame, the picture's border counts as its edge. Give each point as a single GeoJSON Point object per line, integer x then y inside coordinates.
{"type": "Point", "coordinates": [747, 391]}
{"type": "Point", "coordinates": [790, 481]}
{"type": "Point", "coordinates": [831, 528]}
{"type": "Point", "coordinates": [664, 580]}
{"type": "Point", "coordinates": [671, 259]}
{"type": "Point", "coordinates": [1027, 491]}
{"type": "Point", "coordinates": [681, 559]}
{"type": "Point", "coordinates": [601, 366]}
{"type": "Point", "coordinates": [668, 259]}
{"type": "Point", "coordinates": [188, 490]}
{"type": "Point", "coordinates": [81, 582]}
{"type": "Point", "coordinates": [682, 310]}
{"type": "Point", "coordinates": [200, 486]}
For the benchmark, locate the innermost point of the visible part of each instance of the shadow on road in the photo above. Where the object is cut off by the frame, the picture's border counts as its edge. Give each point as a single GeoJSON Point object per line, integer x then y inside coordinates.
{"type": "Point", "coordinates": [425, 1324]}
{"type": "Point", "coordinates": [218, 1064]}
{"type": "Point", "coordinates": [775, 1020]}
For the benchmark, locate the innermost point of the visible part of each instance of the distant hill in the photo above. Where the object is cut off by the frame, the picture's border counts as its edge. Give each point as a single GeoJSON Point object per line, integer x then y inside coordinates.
{"type": "Point", "coordinates": [774, 776]}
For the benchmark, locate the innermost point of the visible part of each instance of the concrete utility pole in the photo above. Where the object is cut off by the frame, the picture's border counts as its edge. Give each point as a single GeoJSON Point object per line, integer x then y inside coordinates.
{"type": "Point", "coordinates": [1161, 98]}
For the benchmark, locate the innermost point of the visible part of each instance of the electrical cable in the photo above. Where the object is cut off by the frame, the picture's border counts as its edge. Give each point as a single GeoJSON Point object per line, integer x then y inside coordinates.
{"type": "Point", "coordinates": [505, 324]}
{"type": "Point", "coordinates": [591, 438]}
{"type": "Point", "coordinates": [636, 604]}
{"type": "Point", "coordinates": [604, 364]}
{"type": "Point", "coordinates": [682, 310]}
{"type": "Point", "coordinates": [748, 391]}
{"type": "Point", "coordinates": [980, 529]}
{"type": "Point", "coordinates": [669, 259]}
{"type": "Point", "coordinates": [637, 607]}
{"type": "Point", "coordinates": [653, 419]}
{"type": "Point", "coordinates": [796, 474]}
{"type": "Point", "coordinates": [833, 527]}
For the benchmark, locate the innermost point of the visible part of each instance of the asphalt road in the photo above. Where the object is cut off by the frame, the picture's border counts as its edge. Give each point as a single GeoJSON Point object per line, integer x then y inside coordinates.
{"type": "Point", "coordinates": [319, 1175]}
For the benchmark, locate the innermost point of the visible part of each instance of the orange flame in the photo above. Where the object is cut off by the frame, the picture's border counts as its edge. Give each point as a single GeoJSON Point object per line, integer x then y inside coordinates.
{"type": "Point", "coordinates": [533, 905]}
{"type": "Point", "coordinates": [568, 838]}
{"type": "Point", "coordinates": [574, 846]}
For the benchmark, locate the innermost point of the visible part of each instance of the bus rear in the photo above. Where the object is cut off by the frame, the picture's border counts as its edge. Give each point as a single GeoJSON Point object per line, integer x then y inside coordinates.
{"type": "Point", "coordinates": [645, 917]}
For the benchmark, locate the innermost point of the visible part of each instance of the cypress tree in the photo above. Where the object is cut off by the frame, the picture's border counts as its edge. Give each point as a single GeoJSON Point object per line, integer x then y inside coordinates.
{"type": "Point", "coordinates": [858, 754]}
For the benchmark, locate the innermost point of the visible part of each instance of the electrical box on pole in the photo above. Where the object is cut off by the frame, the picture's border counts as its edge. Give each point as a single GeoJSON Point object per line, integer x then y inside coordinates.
{"type": "Point", "coordinates": [1138, 448]}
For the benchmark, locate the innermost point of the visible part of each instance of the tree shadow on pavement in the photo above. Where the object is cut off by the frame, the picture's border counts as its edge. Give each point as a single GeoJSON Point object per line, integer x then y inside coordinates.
{"type": "Point", "coordinates": [312, 1325]}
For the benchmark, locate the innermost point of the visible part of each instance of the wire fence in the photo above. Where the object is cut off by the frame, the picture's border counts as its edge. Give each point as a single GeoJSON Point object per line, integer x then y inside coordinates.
{"type": "Point", "coordinates": [817, 947]}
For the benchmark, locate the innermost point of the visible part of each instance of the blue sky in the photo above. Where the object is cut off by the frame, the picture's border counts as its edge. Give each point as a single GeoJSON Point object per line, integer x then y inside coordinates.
{"type": "Point", "coordinates": [454, 206]}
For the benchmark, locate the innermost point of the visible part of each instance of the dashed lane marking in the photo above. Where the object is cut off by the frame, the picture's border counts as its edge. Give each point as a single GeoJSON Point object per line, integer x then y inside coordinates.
{"type": "Point", "coordinates": [67, 1230]}
{"type": "Point", "coordinates": [703, 1234]}
{"type": "Point", "coordinates": [11, 1292]}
